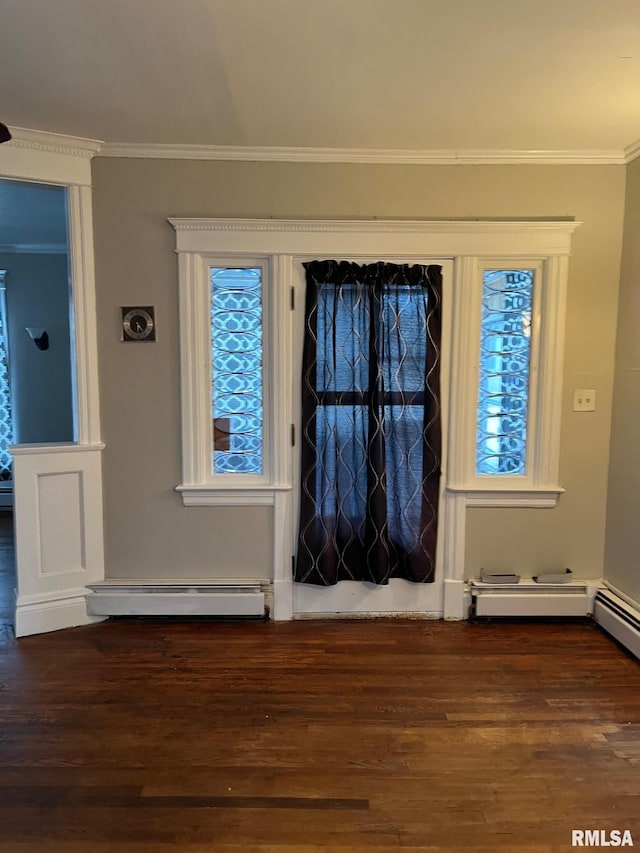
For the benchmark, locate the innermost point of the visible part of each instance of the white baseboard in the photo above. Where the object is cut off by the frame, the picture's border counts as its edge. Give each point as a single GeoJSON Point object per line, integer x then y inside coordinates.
{"type": "Point", "coordinates": [619, 618]}
{"type": "Point", "coordinates": [282, 600]}
{"type": "Point", "coordinates": [288, 595]}
{"type": "Point", "coordinates": [355, 599]}
{"type": "Point", "coordinates": [177, 597]}
{"type": "Point", "coordinates": [39, 614]}
{"type": "Point", "coordinates": [457, 600]}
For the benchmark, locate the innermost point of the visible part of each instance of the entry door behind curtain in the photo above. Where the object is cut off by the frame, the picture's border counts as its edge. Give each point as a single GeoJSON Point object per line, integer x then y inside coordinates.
{"type": "Point", "coordinates": [371, 445]}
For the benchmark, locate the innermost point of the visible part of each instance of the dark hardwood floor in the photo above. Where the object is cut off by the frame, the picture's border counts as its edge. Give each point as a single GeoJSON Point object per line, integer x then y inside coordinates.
{"type": "Point", "coordinates": [302, 737]}
{"type": "Point", "coordinates": [7, 568]}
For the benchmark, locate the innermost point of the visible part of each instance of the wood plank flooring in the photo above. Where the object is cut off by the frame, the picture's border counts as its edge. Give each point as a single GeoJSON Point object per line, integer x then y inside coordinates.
{"type": "Point", "coordinates": [302, 737]}
{"type": "Point", "coordinates": [7, 567]}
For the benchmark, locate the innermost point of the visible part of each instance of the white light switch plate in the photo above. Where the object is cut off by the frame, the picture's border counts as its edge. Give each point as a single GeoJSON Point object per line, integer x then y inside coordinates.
{"type": "Point", "coordinates": [584, 400]}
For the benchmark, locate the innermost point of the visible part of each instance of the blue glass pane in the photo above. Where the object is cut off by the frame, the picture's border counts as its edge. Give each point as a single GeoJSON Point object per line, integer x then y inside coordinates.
{"type": "Point", "coordinates": [236, 358]}
{"type": "Point", "coordinates": [343, 330]}
{"type": "Point", "coordinates": [505, 351]}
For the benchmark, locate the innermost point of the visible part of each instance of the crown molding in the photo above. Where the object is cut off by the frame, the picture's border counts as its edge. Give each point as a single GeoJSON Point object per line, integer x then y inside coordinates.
{"type": "Point", "coordinates": [57, 143]}
{"type": "Point", "coordinates": [379, 226]}
{"type": "Point", "coordinates": [50, 158]}
{"type": "Point", "coordinates": [53, 143]}
{"type": "Point", "coordinates": [632, 152]}
{"type": "Point", "coordinates": [420, 157]}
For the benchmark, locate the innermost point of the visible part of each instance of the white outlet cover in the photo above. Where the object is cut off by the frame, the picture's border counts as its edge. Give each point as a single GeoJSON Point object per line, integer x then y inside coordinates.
{"type": "Point", "coordinates": [584, 400]}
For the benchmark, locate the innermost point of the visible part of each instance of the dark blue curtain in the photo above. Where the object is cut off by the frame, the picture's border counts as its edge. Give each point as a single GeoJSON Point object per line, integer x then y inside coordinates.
{"type": "Point", "coordinates": [371, 445]}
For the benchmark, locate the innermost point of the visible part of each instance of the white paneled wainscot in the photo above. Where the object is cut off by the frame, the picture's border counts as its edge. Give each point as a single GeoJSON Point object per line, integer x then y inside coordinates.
{"type": "Point", "coordinates": [59, 536]}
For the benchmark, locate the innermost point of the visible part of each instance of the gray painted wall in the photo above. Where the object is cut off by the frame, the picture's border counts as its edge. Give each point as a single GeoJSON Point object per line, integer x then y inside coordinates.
{"type": "Point", "coordinates": [147, 530]}
{"type": "Point", "coordinates": [622, 567]}
{"type": "Point", "coordinates": [37, 294]}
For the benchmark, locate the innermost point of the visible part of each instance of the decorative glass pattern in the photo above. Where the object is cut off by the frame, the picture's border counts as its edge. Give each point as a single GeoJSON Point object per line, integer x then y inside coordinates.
{"type": "Point", "coordinates": [505, 353]}
{"type": "Point", "coordinates": [6, 427]}
{"type": "Point", "coordinates": [236, 359]}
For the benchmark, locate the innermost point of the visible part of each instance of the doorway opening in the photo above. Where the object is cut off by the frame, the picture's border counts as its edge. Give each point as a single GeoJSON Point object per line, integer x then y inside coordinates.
{"type": "Point", "coordinates": [399, 595]}
{"type": "Point", "coordinates": [36, 388]}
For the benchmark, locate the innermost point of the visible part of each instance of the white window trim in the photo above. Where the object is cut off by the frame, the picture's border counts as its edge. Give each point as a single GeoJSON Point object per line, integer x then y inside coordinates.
{"type": "Point", "coordinates": [469, 244]}
{"type": "Point", "coordinates": [538, 486]}
{"type": "Point", "coordinates": [200, 486]}
{"type": "Point", "coordinates": [473, 246]}
{"type": "Point", "coordinates": [204, 451]}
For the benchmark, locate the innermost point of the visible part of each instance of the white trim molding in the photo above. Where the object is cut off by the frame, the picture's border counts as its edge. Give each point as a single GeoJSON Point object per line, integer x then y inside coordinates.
{"type": "Point", "coordinates": [34, 155]}
{"type": "Point", "coordinates": [538, 487]}
{"type": "Point", "coordinates": [534, 497]}
{"type": "Point", "coordinates": [392, 156]}
{"type": "Point", "coordinates": [44, 142]}
{"type": "Point", "coordinates": [454, 528]}
{"type": "Point", "coordinates": [203, 495]}
{"type": "Point", "coordinates": [467, 246]}
{"type": "Point", "coordinates": [59, 533]}
{"type": "Point", "coordinates": [393, 238]}
{"type": "Point", "coordinates": [631, 152]}
{"type": "Point", "coordinates": [58, 487]}
{"type": "Point", "coordinates": [44, 612]}
{"type": "Point", "coordinates": [85, 333]}
{"type": "Point", "coordinates": [360, 599]}
{"type": "Point", "coordinates": [54, 143]}
{"type": "Point", "coordinates": [61, 447]}
{"type": "Point", "coordinates": [201, 485]}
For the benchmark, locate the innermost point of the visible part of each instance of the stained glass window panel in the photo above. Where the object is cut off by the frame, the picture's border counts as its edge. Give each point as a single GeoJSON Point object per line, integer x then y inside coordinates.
{"type": "Point", "coordinates": [236, 359]}
{"type": "Point", "coordinates": [505, 355]}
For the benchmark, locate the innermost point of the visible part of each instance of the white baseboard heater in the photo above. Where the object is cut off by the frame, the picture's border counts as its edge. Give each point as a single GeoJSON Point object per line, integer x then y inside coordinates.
{"type": "Point", "coordinates": [529, 598]}
{"type": "Point", "coordinates": [618, 618]}
{"type": "Point", "coordinates": [220, 597]}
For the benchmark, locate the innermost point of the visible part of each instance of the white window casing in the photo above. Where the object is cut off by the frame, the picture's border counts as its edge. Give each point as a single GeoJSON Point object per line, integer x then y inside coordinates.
{"type": "Point", "coordinates": [539, 485]}
{"type": "Point", "coordinates": [472, 246]}
{"type": "Point", "coordinates": [200, 485]}
{"type": "Point", "coordinates": [464, 248]}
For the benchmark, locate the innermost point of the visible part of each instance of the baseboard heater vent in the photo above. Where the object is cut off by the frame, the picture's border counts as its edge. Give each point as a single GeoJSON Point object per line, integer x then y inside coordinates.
{"type": "Point", "coordinates": [529, 598]}
{"type": "Point", "coordinates": [619, 619]}
{"type": "Point", "coordinates": [224, 597]}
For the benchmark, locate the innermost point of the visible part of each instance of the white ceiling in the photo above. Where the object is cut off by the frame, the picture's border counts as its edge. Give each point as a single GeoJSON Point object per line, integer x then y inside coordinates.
{"type": "Point", "coordinates": [381, 74]}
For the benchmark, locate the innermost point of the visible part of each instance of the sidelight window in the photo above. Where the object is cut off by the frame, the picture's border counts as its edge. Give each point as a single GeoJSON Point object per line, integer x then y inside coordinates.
{"type": "Point", "coordinates": [505, 361]}
{"type": "Point", "coordinates": [236, 368]}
